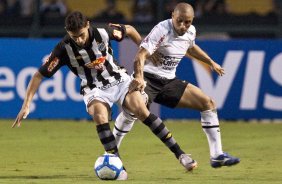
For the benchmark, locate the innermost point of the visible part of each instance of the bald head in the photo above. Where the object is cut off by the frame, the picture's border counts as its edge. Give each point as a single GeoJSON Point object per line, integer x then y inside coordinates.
{"type": "Point", "coordinates": [182, 18]}
{"type": "Point", "coordinates": [184, 8]}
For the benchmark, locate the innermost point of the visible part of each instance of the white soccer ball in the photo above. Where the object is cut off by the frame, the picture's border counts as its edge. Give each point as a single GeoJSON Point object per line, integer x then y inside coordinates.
{"type": "Point", "coordinates": [108, 167]}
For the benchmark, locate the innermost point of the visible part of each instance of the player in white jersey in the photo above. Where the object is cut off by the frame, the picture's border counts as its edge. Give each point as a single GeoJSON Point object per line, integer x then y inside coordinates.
{"type": "Point", "coordinates": [156, 62]}
{"type": "Point", "coordinates": [87, 52]}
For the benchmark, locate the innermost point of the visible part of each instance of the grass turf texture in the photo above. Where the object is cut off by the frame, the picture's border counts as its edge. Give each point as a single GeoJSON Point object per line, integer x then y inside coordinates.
{"type": "Point", "coordinates": [64, 152]}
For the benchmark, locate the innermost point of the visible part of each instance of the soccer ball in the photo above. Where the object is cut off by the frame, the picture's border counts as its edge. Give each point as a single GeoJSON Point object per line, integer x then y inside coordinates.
{"type": "Point", "coordinates": [108, 167]}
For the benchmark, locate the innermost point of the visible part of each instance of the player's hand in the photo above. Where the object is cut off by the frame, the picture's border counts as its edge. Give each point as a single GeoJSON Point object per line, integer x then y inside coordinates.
{"type": "Point", "coordinates": [217, 68]}
{"type": "Point", "coordinates": [22, 115]}
{"type": "Point", "coordinates": [137, 84]}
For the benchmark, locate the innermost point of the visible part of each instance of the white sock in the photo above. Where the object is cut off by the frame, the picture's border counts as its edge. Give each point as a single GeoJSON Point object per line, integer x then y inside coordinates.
{"type": "Point", "coordinates": [210, 125]}
{"type": "Point", "coordinates": [123, 125]}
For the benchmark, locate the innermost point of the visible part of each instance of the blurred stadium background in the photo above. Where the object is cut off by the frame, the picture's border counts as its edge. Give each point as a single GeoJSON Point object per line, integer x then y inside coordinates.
{"type": "Point", "coordinates": [227, 18]}
{"type": "Point", "coordinates": [243, 36]}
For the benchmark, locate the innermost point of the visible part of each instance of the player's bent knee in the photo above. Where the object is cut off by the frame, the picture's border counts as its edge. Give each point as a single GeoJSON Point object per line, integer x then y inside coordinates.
{"type": "Point", "coordinates": [209, 104]}
{"type": "Point", "coordinates": [141, 113]}
{"type": "Point", "coordinates": [100, 118]}
{"type": "Point", "coordinates": [213, 104]}
{"type": "Point", "coordinates": [138, 107]}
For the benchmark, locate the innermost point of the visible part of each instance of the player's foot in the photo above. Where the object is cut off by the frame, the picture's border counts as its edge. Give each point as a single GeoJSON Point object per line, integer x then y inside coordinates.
{"type": "Point", "coordinates": [122, 175]}
{"type": "Point", "coordinates": [187, 162]}
{"type": "Point", "coordinates": [224, 160]}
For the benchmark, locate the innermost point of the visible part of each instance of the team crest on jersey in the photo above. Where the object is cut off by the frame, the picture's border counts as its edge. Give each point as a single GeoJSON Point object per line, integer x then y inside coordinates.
{"type": "Point", "coordinates": [53, 64]}
{"type": "Point", "coordinates": [101, 46]}
{"type": "Point", "coordinates": [190, 33]}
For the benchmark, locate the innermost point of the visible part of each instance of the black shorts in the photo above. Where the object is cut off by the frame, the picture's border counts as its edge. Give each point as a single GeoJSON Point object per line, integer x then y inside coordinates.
{"type": "Point", "coordinates": [167, 92]}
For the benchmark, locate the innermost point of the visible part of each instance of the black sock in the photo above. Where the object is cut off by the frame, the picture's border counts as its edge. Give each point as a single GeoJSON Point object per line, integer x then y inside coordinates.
{"type": "Point", "coordinates": [107, 138]}
{"type": "Point", "coordinates": [159, 129]}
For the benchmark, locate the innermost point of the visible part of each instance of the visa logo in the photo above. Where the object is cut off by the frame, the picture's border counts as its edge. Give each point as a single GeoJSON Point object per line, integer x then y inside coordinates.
{"type": "Point", "coordinates": [252, 80]}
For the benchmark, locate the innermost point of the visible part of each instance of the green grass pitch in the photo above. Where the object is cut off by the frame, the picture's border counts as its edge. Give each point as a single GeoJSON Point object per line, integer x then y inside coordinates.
{"type": "Point", "coordinates": [56, 152]}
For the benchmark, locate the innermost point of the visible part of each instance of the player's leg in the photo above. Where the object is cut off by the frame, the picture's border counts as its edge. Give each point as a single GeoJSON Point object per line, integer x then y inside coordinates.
{"type": "Point", "coordinates": [99, 112]}
{"type": "Point", "coordinates": [134, 103]}
{"type": "Point", "coordinates": [194, 98]}
{"type": "Point", "coordinates": [123, 124]}
{"type": "Point", "coordinates": [125, 121]}
{"type": "Point", "coordinates": [98, 103]}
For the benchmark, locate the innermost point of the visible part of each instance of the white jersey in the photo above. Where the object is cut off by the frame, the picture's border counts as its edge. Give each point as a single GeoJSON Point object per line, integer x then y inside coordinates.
{"type": "Point", "coordinates": [171, 48]}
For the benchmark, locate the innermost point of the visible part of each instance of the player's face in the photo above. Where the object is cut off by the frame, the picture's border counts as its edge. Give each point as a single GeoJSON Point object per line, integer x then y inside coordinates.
{"type": "Point", "coordinates": [81, 36]}
{"type": "Point", "coordinates": [182, 21]}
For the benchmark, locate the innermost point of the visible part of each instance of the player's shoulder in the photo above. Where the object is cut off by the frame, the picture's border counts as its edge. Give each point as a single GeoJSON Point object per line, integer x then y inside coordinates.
{"type": "Point", "coordinates": [164, 26]}
{"type": "Point", "coordinates": [192, 29]}
{"type": "Point", "coordinates": [65, 40]}
{"type": "Point", "coordinates": [103, 31]}
{"type": "Point", "coordinates": [61, 45]}
{"type": "Point", "coordinates": [191, 32]}
{"type": "Point", "coordinates": [159, 32]}
{"type": "Point", "coordinates": [98, 32]}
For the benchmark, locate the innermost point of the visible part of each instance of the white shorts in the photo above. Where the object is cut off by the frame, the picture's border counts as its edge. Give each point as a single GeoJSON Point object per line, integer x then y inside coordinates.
{"type": "Point", "coordinates": [111, 95]}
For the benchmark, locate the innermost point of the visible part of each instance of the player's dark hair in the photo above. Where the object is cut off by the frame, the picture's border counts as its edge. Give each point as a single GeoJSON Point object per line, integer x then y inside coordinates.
{"type": "Point", "coordinates": [75, 21]}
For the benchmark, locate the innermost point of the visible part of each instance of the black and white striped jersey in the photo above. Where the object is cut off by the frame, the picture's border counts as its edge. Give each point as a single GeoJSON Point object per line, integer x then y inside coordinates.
{"type": "Point", "coordinates": [94, 64]}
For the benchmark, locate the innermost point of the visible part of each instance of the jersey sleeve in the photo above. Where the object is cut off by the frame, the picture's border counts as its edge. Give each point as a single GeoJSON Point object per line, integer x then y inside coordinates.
{"type": "Point", "coordinates": [154, 39]}
{"type": "Point", "coordinates": [54, 62]}
{"type": "Point", "coordinates": [116, 32]}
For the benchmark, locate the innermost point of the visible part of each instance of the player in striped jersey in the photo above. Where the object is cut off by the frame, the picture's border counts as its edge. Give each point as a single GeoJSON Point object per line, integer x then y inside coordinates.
{"type": "Point", "coordinates": [156, 62]}
{"type": "Point", "coordinates": [87, 52]}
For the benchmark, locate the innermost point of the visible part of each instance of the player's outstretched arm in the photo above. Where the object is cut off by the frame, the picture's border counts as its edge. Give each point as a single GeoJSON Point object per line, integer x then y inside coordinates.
{"type": "Point", "coordinates": [132, 33]}
{"type": "Point", "coordinates": [31, 89]}
{"type": "Point", "coordinates": [197, 53]}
